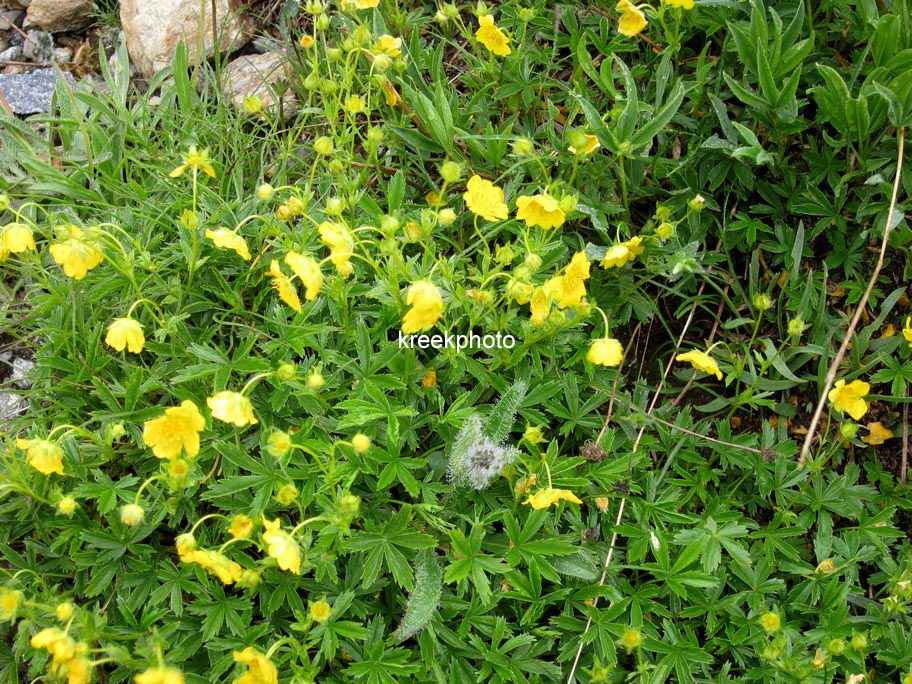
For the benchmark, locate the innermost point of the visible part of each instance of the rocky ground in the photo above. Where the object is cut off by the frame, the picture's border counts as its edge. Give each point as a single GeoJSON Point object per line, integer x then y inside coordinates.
{"type": "Point", "coordinates": [40, 39]}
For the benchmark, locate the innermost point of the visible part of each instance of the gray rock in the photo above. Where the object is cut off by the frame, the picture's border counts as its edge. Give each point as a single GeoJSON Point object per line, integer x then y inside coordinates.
{"type": "Point", "coordinates": [154, 28]}
{"type": "Point", "coordinates": [63, 55]}
{"type": "Point", "coordinates": [38, 47]}
{"type": "Point", "coordinates": [14, 4]}
{"type": "Point", "coordinates": [30, 93]}
{"type": "Point", "coordinates": [21, 369]}
{"type": "Point", "coordinates": [11, 405]}
{"type": "Point", "coordinates": [257, 76]}
{"type": "Point", "coordinates": [61, 15]}
{"type": "Point", "coordinates": [11, 54]}
{"type": "Point", "coordinates": [10, 18]}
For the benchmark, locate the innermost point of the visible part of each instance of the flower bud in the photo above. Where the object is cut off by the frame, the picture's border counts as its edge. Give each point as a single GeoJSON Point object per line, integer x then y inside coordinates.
{"type": "Point", "coordinates": [665, 230]}
{"type": "Point", "coordinates": [375, 136]}
{"type": "Point", "coordinates": [321, 23]}
{"type": "Point", "coordinates": [389, 224]}
{"type": "Point", "coordinates": [762, 302]}
{"type": "Point", "coordinates": [360, 443]}
{"type": "Point", "coordinates": [253, 104]}
{"type": "Point", "coordinates": [859, 641]}
{"type": "Point", "coordinates": [335, 206]}
{"type": "Point", "coordinates": [848, 431]}
{"type": "Point", "coordinates": [796, 326]}
{"type": "Point", "coordinates": [697, 203]}
{"type": "Point", "coordinates": [4, 201]}
{"type": "Point", "coordinates": [335, 167]}
{"type": "Point", "coordinates": [523, 147]}
{"type": "Point", "coordinates": [265, 192]}
{"type": "Point", "coordinates": [450, 172]}
{"type": "Point", "coordinates": [504, 254]}
{"type": "Point", "coordinates": [312, 81]}
{"type": "Point", "coordinates": [278, 444]}
{"type": "Point", "coordinates": [533, 434]}
{"type": "Point", "coordinates": [286, 372]}
{"type": "Point", "coordinates": [64, 611]}
{"type": "Point", "coordinates": [323, 145]}
{"type": "Point", "coordinates": [132, 514]}
{"type": "Point", "coordinates": [446, 217]}
{"type": "Point", "coordinates": [533, 261]}
{"type": "Point", "coordinates": [315, 380]}
{"type": "Point", "coordinates": [67, 506]}
{"type": "Point", "coordinates": [836, 646]}
{"type": "Point", "coordinates": [249, 579]}
{"type": "Point", "coordinates": [349, 506]}
{"type": "Point", "coordinates": [568, 203]}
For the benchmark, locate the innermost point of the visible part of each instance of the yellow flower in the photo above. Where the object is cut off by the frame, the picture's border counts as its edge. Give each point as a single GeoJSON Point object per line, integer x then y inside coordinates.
{"type": "Point", "coordinates": [684, 4]}
{"type": "Point", "coordinates": [907, 331]}
{"type": "Point", "coordinates": [620, 254]}
{"type": "Point", "coordinates": [160, 675]}
{"type": "Point", "coordinates": [320, 611]}
{"type": "Point", "coordinates": [282, 546]}
{"type": "Point", "coordinates": [15, 238]}
{"type": "Point", "coordinates": [592, 144]}
{"type": "Point", "coordinates": [260, 669]}
{"type": "Point", "coordinates": [44, 456]}
{"type": "Point", "coordinates": [306, 41]}
{"type": "Point", "coordinates": [283, 285]}
{"type": "Point", "coordinates": [878, 434]}
{"type": "Point", "coordinates": [56, 642]}
{"type": "Point", "coordinates": [631, 639]}
{"type": "Point", "coordinates": [544, 498]}
{"type": "Point", "coordinates": [228, 239]}
{"type": "Point", "coordinates": [427, 306]}
{"type": "Point", "coordinates": [770, 622]}
{"type": "Point", "coordinates": [540, 305]}
{"type": "Point", "coordinates": [429, 379]}
{"type": "Point", "coordinates": [79, 670]}
{"type": "Point", "coordinates": [492, 37]}
{"type": "Point", "coordinates": [198, 161]}
{"type": "Point", "coordinates": [633, 21]}
{"type": "Point", "coordinates": [606, 352]}
{"type": "Point", "coordinates": [341, 244]}
{"type": "Point", "coordinates": [850, 398]}
{"type": "Point", "coordinates": [354, 104]}
{"type": "Point", "coordinates": [485, 199]}
{"type": "Point", "coordinates": [126, 333]}
{"type": "Point", "coordinates": [308, 271]}
{"type": "Point", "coordinates": [819, 656]}
{"type": "Point", "coordinates": [232, 407]}
{"type": "Point", "coordinates": [569, 289]}
{"type": "Point", "coordinates": [215, 562]}
{"type": "Point", "coordinates": [701, 361]}
{"type": "Point", "coordinates": [359, 4]}
{"type": "Point", "coordinates": [9, 603]}
{"type": "Point", "coordinates": [539, 210]}
{"type": "Point", "coordinates": [388, 45]}
{"type": "Point", "coordinates": [79, 253]}
{"type": "Point", "coordinates": [241, 526]}
{"type": "Point", "coordinates": [178, 429]}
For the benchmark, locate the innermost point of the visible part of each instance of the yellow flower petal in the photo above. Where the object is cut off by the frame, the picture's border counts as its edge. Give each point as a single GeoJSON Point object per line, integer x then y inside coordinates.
{"type": "Point", "coordinates": [633, 21]}
{"type": "Point", "coordinates": [606, 352]}
{"type": "Point", "coordinates": [282, 546]}
{"type": "Point", "coordinates": [485, 199]}
{"type": "Point", "coordinates": [228, 239]}
{"type": "Point", "coordinates": [426, 305]}
{"type": "Point", "coordinates": [283, 285]}
{"type": "Point", "coordinates": [539, 210]}
{"type": "Point", "coordinates": [545, 498]}
{"type": "Point", "coordinates": [701, 361]}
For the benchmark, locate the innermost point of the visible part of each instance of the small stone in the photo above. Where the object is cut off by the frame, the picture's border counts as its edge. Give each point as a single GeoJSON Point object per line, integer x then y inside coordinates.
{"type": "Point", "coordinates": [260, 76]}
{"type": "Point", "coordinates": [61, 15]}
{"type": "Point", "coordinates": [38, 47]}
{"type": "Point", "coordinates": [31, 93]}
{"type": "Point", "coordinates": [11, 405]}
{"type": "Point", "coordinates": [63, 55]}
{"type": "Point", "coordinates": [11, 54]}
{"type": "Point", "coordinates": [10, 18]}
{"type": "Point", "coordinates": [21, 369]}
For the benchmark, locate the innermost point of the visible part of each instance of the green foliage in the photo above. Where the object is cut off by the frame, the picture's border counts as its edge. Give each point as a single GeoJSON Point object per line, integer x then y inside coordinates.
{"type": "Point", "coordinates": [270, 476]}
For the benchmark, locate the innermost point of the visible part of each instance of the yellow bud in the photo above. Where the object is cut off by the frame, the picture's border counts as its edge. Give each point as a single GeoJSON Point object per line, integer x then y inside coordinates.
{"type": "Point", "coordinates": [360, 443]}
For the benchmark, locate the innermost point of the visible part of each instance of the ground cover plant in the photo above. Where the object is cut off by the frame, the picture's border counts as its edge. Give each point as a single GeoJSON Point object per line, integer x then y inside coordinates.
{"type": "Point", "coordinates": [240, 460]}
